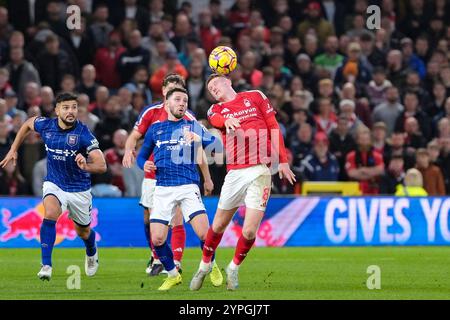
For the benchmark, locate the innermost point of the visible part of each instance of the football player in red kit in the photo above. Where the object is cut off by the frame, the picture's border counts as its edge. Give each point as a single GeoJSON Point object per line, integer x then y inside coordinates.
{"type": "Point", "coordinates": [152, 114]}
{"type": "Point", "coordinates": [253, 141]}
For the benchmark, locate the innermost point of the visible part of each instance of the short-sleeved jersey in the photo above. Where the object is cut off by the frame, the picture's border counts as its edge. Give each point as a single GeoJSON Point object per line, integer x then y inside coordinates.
{"type": "Point", "coordinates": [62, 147]}
{"type": "Point", "coordinates": [153, 114]}
{"type": "Point", "coordinates": [173, 157]}
{"type": "Point", "coordinates": [250, 144]}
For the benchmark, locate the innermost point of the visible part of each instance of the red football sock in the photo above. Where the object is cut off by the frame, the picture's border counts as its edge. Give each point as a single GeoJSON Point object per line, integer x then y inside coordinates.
{"type": "Point", "coordinates": [178, 241]}
{"type": "Point", "coordinates": [211, 243]}
{"type": "Point", "coordinates": [242, 248]}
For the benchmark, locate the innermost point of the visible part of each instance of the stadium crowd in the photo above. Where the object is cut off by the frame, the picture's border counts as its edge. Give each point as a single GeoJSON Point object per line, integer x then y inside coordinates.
{"type": "Point", "coordinates": [354, 104]}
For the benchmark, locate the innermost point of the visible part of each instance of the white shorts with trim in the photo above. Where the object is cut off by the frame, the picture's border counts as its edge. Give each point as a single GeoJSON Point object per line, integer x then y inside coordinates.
{"type": "Point", "coordinates": [248, 186]}
{"type": "Point", "coordinates": [147, 191]}
{"type": "Point", "coordinates": [79, 204]}
{"type": "Point", "coordinates": [166, 200]}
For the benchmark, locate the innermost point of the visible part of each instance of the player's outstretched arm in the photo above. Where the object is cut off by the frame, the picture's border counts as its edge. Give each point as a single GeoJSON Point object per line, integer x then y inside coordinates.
{"type": "Point", "coordinates": [95, 163]}
{"type": "Point", "coordinates": [20, 137]}
{"type": "Point", "coordinates": [130, 148]}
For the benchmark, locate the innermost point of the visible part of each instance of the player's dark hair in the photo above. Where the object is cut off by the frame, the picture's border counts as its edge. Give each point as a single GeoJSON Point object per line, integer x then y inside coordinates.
{"type": "Point", "coordinates": [66, 96]}
{"type": "Point", "coordinates": [172, 91]}
{"type": "Point", "coordinates": [213, 76]}
{"type": "Point", "coordinates": [174, 78]}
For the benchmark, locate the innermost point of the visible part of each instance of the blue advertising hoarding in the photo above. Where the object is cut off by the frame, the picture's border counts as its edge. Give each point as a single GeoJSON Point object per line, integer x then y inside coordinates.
{"type": "Point", "coordinates": [289, 221]}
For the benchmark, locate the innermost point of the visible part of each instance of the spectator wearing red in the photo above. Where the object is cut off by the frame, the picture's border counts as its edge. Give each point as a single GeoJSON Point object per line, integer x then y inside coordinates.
{"type": "Point", "coordinates": [365, 164]}
{"type": "Point", "coordinates": [106, 59]}
{"type": "Point", "coordinates": [114, 156]}
{"type": "Point", "coordinates": [12, 183]}
{"type": "Point", "coordinates": [4, 82]}
{"type": "Point", "coordinates": [250, 73]}
{"type": "Point", "coordinates": [172, 65]}
{"type": "Point", "coordinates": [101, 98]}
{"type": "Point", "coordinates": [379, 137]}
{"type": "Point", "coordinates": [326, 119]}
{"type": "Point", "coordinates": [239, 14]}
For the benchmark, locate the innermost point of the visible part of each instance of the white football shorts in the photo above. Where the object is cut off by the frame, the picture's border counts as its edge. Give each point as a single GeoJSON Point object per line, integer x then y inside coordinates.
{"type": "Point", "coordinates": [166, 200]}
{"type": "Point", "coordinates": [148, 190]}
{"type": "Point", "coordinates": [79, 204]}
{"type": "Point", "coordinates": [248, 186]}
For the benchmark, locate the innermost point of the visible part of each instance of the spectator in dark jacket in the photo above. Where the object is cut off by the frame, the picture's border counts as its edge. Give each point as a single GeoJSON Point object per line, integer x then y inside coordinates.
{"type": "Point", "coordinates": [134, 56]}
{"type": "Point", "coordinates": [53, 63]}
{"type": "Point", "coordinates": [412, 109]}
{"type": "Point", "coordinates": [88, 84]}
{"type": "Point", "coordinates": [320, 165]}
{"type": "Point", "coordinates": [393, 176]}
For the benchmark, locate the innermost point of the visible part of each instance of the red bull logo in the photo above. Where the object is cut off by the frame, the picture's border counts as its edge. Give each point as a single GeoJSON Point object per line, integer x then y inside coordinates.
{"type": "Point", "coordinates": [28, 225]}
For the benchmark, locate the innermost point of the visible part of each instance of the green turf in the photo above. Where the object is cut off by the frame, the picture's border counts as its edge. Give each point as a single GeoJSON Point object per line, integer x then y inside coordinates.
{"type": "Point", "coordinates": [268, 273]}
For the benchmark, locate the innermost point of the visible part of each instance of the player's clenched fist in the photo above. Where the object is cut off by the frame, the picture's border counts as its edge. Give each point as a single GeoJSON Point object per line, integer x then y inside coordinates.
{"type": "Point", "coordinates": [81, 161]}
{"type": "Point", "coordinates": [149, 166]}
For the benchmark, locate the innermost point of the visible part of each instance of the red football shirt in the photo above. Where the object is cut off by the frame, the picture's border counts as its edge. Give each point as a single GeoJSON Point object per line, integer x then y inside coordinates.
{"type": "Point", "coordinates": [250, 144]}
{"type": "Point", "coordinates": [153, 114]}
{"type": "Point", "coordinates": [367, 186]}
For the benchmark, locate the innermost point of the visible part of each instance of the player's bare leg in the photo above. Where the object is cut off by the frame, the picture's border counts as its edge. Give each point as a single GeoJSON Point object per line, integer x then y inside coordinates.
{"type": "Point", "coordinates": [91, 260]}
{"type": "Point", "coordinates": [252, 221]}
{"type": "Point", "coordinates": [52, 209]}
{"type": "Point", "coordinates": [213, 237]}
{"type": "Point", "coordinates": [159, 233]}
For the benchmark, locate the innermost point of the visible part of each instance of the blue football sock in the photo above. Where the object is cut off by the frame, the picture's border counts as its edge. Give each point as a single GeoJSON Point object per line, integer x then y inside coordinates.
{"type": "Point", "coordinates": [48, 236]}
{"type": "Point", "coordinates": [91, 248]}
{"type": "Point", "coordinates": [165, 255]}
{"type": "Point", "coordinates": [202, 243]}
{"type": "Point", "coordinates": [147, 233]}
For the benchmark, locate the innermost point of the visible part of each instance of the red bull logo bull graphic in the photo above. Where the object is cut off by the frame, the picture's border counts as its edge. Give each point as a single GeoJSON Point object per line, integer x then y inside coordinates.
{"type": "Point", "coordinates": [28, 224]}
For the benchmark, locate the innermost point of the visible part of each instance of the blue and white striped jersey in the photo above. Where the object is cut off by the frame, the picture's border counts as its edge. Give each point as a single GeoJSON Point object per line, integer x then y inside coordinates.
{"type": "Point", "coordinates": [62, 146]}
{"type": "Point", "coordinates": [173, 157]}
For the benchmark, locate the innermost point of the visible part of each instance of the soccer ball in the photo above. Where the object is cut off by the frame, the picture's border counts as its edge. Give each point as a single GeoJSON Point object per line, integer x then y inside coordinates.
{"type": "Point", "coordinates": [222, 60]}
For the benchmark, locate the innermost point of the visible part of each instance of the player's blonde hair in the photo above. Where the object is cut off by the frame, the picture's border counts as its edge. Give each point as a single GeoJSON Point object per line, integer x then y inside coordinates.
{"type": "Point", "coordinates": [413, 178]}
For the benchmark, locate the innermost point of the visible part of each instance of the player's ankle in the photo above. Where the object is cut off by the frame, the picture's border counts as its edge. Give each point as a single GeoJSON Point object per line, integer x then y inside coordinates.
{"type": "Point", "coordinates": [233, 266]}
{"type": "Point", "coordinates": [173, 272]}
{"type": "Point", "coordinates": [205, 266]}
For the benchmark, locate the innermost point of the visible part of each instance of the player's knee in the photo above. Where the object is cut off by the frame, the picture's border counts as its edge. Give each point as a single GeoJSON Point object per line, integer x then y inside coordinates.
{"type": "Point", "coordinates": [158, 240]}
{"type": "Point", "coordinates": [51, 214]}
{"type": "Point", "coordinates": [219, 226]}
{"type": "Point", "coordinates": [83, 233]}
{"type": "Point", "coordinates": [249, 233]}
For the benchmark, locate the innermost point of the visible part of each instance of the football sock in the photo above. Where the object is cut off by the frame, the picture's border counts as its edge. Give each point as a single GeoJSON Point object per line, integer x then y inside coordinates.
{"type": "Point", "coordinates": [48, 236]}
{"type": "Point", "coordinates": [91, 248]}
{"type": "Point", "coordinates": [166, 256]}
{"type": "Point", "coordinates": [147, 233]}
{"type": "Point", "coordinates": [202, 244]}
{"type": "Point", "coordinates": [211, 243]}
{"type": "Point", "coordinates": [178, 241]}
{"type": "Point", "coordinates": [242, 248]}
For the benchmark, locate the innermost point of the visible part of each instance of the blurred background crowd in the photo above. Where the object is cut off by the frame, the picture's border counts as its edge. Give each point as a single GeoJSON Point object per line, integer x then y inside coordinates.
{"type": "Point", "coordinates": [354, 104]}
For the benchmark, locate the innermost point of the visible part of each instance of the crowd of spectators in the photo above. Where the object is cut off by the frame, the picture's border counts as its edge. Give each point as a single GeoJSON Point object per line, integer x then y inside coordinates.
{"type": "Point", "coordinates": [353, 104]}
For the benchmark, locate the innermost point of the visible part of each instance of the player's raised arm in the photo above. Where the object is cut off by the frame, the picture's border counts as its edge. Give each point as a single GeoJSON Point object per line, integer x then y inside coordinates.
{"type": "Point", "coordinates": [220, 122]}
{"type": "Point", "coordinates": [146, 151]}
{"type": "Point", "coordinates": [20, 137]}
{"type": "Point", "coordinates": [130, 148]}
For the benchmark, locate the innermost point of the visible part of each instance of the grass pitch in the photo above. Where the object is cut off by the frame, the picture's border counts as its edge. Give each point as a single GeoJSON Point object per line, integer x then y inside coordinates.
{"type": "Point", "coordinates": [268, 273]}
